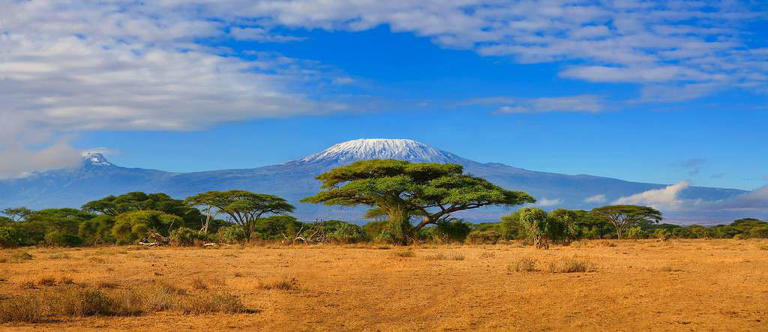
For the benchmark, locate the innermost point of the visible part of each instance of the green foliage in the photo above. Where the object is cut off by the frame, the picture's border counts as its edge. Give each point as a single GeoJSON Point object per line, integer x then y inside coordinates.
{"type": "Point", "coordinates": [97, 230]}
{"type": "Point", "coordinates": [276, 228]}
{"type": "Point", "coordinates": [231, 234]}
{"type": "Point", "coordinates": [60, 239]}
{"type": "Point", "coordinates": [401, 189]}
{"type": "Point", "coordinates": [242, 207]}
{"type": "Point", "coordinates": [447, 232]}
{"type": "Point", "coordinates": [185, 237]}
{"type": "Point", "coordinates": [374, 229]}
{"type": "Point", "coordinates": [333, 231]}
{"type": "Point", "coordinates": [131, 227]}
{"type": "Point", "coordinates": [623, 217]}
{"type": "Point", "coordinates": [484, 237]}
{"type": "Point", "coordinates": [17, 214]}
{"type": "Point", "coordinates": [9, 238]}
{"type": "Point", "coordinates": [759, 232]}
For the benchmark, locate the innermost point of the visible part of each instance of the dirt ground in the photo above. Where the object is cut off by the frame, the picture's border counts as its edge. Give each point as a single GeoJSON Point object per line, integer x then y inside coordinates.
{"type": "Point", "coordinates": [633, 285]}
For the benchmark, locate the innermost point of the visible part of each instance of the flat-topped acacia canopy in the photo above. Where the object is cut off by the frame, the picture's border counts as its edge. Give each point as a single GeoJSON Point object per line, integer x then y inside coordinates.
{"type": "Point", "coordinates": [402, 189]}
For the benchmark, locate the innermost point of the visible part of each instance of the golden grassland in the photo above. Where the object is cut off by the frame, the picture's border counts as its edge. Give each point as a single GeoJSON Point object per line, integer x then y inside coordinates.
{"type": "Point", "coordinates": [589, 285]}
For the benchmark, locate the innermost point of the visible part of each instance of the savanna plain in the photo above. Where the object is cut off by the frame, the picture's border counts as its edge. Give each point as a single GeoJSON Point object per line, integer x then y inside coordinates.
{"type": "Point", "coordinates": [588, 285]}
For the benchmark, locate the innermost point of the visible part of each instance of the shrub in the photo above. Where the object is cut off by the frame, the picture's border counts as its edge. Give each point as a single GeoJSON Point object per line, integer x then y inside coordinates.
{"type": "Point", "coordinates": [525, 264]}
{"type": "Point", "coordinates": [484, 237]}
{"type": "Point", "coordinates": [231, 234]}
{"type": "Point", "coordinates": [208, 303]}
{"type": "Point", "coordinates": [60, 239]}
{"type": "Point", "coordinates": [759, 232]}
{"type": "Point", "coordinates": [27, 309]}
{"type": "Point", "coordinates": [185, 237]}
{"type": "Point", "coordinates": [9, 237]}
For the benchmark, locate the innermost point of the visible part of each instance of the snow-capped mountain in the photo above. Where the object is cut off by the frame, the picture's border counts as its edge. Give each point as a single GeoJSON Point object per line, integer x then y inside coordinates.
{"type": "Point", "coordinates": [95, 159]}
{"type": "Point", "coordinates": [378, 148]}
{"type": "Point", "coordinates": [97, 178]}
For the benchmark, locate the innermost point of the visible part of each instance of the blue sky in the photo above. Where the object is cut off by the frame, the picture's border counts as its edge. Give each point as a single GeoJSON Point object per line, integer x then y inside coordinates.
{"type": "Point", "coordinates": [647, 91]}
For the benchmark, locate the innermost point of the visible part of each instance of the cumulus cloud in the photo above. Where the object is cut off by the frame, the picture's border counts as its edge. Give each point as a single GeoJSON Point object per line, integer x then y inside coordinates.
{"type": "Point", "coordinates": [548, 202]}
{"type": "Point", "coordinates": [667, 198]}
{"type": "Point", "coordinates": [750, 204]}
{"type": "Point", "coordinates": [695, 46]}
{"type": "Point", "coordinates": [69, 66]}
{"type": "Point", "coordinates": [596, 199]}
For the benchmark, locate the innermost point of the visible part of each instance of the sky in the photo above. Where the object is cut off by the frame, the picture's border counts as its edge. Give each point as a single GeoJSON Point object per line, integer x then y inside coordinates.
{"type": "Point", "coordinates": [672, 92]}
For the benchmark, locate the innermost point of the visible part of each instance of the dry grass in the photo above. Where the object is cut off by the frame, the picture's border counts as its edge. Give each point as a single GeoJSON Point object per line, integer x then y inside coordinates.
{"type": "Point", "coordinates": [442, 256]}
{"type": "Point", "coordinates": [282, 284]}
{"type": "Point", "coordinates": [711, 285]}
{"type": "Point", "coordinates": [406, 253]}
{"type": "Point", "coordinates": [75, 301]}
{"type": "Point", "coordinates": [571, 265]}
{"type": "Point", "coordinates": [525, 264]}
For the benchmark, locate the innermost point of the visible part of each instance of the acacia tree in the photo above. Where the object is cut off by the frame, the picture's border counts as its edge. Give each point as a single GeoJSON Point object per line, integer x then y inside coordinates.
{"type": "Point", "coordinates": [242, 207]}
{"type": "Point", "coordinates": [626, 216]}
{"type": "Point", "coordinates": [17, 214]}
{"type": "Point", "coordinates": [206, 203]}
{"type": "Point", "coordinates": [402, 190]}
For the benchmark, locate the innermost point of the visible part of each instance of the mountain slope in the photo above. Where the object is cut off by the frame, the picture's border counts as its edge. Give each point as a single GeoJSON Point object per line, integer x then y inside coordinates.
{"type": "Point", "coordinates": [97, 177]}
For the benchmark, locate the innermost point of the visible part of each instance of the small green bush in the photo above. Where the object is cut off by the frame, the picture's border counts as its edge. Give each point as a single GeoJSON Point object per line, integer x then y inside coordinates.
{"type": "Point", "coordinates": [185, 237]}
{"type": "Point", "coordinates": [484, 237]}
{"type": "Point", "coordinates": [60, 239]}
{"type": "Point", "coordinates": [231, 234]}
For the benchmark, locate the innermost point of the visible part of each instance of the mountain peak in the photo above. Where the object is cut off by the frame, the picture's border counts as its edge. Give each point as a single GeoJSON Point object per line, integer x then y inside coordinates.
{"type": "Point", "coordinates": [380, 148]}
{"type": "Point", "coordinates": [91, 158]}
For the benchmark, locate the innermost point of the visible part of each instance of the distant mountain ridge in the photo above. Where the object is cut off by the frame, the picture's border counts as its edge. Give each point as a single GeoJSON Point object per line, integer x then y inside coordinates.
{"type": "Point", "coordinates": [97, 177]}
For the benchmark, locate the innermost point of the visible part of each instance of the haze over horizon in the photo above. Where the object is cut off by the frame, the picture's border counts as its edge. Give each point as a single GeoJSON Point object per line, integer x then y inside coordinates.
{"type": "Point", "coordinates": [669, 92]}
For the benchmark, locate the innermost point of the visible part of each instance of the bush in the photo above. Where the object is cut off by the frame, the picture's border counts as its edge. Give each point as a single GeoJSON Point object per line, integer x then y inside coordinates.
{"type": "Point", "coordinates": [27, 309]}
{"type": "Point", "coordinates": [759, 232]}
{"type": "Point", "coordinates": [185, 237]}
{"type": "Point", "coordinates": [9, 238]}
{"type": "Point", "coordinates": [231, 234]}
{"type": "Point", "coordinates": [484, 237]}
{"type": "Point", "coordinates": [446, 232]}
{"type": "Point", "coordinates": [59, 239]}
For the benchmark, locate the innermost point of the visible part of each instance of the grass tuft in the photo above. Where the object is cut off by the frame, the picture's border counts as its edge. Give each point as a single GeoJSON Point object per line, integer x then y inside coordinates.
{"type": "Point", "coordinates": [283, 284]}
{"type": "Point", "coordinates": [571, 265]}
{"type": "Point", "coordinates": [407, 253]}
{"type": "Point", "coordinates": [525, 264]}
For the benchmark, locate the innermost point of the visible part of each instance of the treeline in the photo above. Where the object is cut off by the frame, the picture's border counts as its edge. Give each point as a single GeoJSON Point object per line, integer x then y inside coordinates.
{"type": "Point", "coordinates": [240, 216]}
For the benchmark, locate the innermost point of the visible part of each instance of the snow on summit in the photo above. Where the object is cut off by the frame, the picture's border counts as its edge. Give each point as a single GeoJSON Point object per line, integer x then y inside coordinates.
{"type": "Point", "coordinates": [95, 159]}
{"type": "Point", "coordinates": [379, 148]}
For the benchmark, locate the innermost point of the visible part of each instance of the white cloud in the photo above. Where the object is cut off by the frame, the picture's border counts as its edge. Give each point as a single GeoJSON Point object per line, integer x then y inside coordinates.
{"type": "Point", "coordinates": [548, 202]}
{"type": "Point", "coordinates": [582, 103]}
{"type": "Point", "coordinates": [596, 199]}
{"type": "Point", "coordinates": [666, 198]}
{"type": "Point", "coordinates": [261, 35]}
{"type": "Point", "coordinates": [69, 66]}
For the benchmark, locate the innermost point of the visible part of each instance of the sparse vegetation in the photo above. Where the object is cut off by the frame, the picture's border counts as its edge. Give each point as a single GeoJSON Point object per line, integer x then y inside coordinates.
{"type": "Point", "coordinates": [570, 265]}
{"type": "Point", "coordinates": [285, 284]}
{"type": "Point", "coordinates": [524, 264]}
{"type": "Point", "coordinates": [74, 301]}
